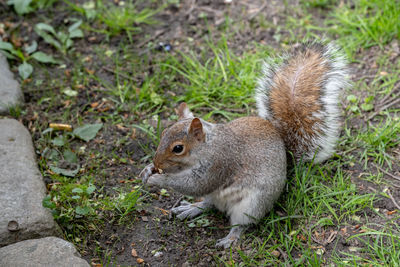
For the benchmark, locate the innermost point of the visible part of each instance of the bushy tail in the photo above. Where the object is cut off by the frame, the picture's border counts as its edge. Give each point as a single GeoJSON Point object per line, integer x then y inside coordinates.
{"type": "Point", "coordinates": [300, 97]}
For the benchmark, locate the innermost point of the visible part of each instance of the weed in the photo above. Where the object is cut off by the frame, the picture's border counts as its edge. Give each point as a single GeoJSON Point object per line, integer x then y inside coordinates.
{"type": "Point", "coordinates": [62, 41]}
{"type": "Point", "coordinates": [25, 69]}
{"type": "Point", "coordinates": [22, 7]}
{"type": "Point", "coordinates": [125, 18]}
{"type": "Point", "coordinates": [367, 23]}
{"type": "Point", "coordinates": [378, 140]}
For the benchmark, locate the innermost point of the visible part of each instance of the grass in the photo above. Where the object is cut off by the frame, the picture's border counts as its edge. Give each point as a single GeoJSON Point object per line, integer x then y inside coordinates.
{"type": "Point", "coordinates": [325, 217]}
{"type": "Point", "coordinates": [368, 23]}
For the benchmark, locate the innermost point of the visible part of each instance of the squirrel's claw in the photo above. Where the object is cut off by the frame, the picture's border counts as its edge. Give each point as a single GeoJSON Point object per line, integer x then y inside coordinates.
{"type": "Point", "coordinates": [147, 172]}
{"type": "Point", "coordinates": [225, 242]}
{"type": "Point", "coordinates": [188, 210]}
{"type": "Point", "coordinates": [231, 238]}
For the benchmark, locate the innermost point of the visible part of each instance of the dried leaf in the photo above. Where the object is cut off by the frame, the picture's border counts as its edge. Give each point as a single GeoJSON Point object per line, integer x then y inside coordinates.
{"type": "Point", "coordinates": [134, 253]}
{"type": "Point", "coordinates": [275, 253]}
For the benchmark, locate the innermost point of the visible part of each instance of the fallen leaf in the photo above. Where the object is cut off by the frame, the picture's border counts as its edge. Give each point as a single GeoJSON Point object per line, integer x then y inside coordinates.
{"type": "Point", "coordinates": [104, 109]}
{"type": "Point", "coordinates": [343, 230]}
{"type": "Point", "coordinates": [145, 219]}
{"type": "Point", "coordinates": [88, 132]}
{"type": "Point", "coordinates": [67, 103]}
{"type": "Point", "coordinates": [275, 253]}
{"type": "Point", "coordinates": [134, 253]}
{"type": "Point", "coordinates": [133, 135]}
{"type": "Point", "coordinates": [391, 212]}
{"type": "Point", "coordinates": [94, 104]}
{"type": "Point", "coordinates": [302, 237]}
{"type": "Point", "coordinates": [91, 72]}
{"type": "Point", "coordinates": [383, 73]}
{"type": "Point", "coordinates": [121, 127]}
{"type": "Point", "coordinates": [139, 260]}
{"type": "Point", "coordinates": [165, 212]}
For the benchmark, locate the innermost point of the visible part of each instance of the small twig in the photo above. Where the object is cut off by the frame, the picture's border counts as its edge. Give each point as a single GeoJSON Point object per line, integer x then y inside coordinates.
{"type": "Point", "coordinates": [210, 10]}
{"type": "Point", "coordinates": [393, 200]}
{"type": "Point", "coordinates": [152, 37]}
{"type": "Point", "coordinates": [386, 97]}
{"type": "Point", "coordinates": [386, 104]}
{"type": "Point", "coordinates": [258, 11]}
{"type": "Point", "coordinates": [395, 101]}
{"type": "Point", "coordinates": [284, 255]}
{"type": "Point", "coordinates": [173, 206]}
{"type": "Point", "coordinates": [117, 73]}
{"type": "Point", "coordinates": [38, 89]}
{"type": "Point", "coordinates": [191, 8]}
{"type": "Point", "coordinates": [388, 173]}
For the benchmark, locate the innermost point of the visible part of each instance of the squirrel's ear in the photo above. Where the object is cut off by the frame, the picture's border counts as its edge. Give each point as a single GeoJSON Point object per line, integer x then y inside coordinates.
{"type": "Point", "coordinates": [196, 129]}
{"type": "Point", "coordinates": [183, 111]}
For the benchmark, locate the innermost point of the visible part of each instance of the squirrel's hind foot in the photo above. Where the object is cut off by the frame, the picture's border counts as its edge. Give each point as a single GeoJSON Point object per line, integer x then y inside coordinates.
{"type": "Point", "coordinates": [231, 238]}
{"type": "Point", "coordinates": [189, 210]}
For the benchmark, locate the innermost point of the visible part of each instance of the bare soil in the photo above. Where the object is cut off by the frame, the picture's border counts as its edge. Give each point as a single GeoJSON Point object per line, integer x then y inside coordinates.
{"type": "Point", "coordinates": [152, 229]}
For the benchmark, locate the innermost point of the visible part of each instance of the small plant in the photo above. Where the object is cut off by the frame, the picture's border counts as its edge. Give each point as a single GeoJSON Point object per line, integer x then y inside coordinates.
{"type": "Point", "coordinates": [366, 24]}
{"type": "Point", "coordinates": [126, 18]}
{"type": "Point", "coordinates": [125, 203]}
{"type": "Point", "coordinates": [69, 201]}
{"type": "Point", "coordinates": [378, 140]}
{"type": "Point", "coordinates": [87, 9]}
{"type": "Point", "coordinates": [368, 104]}
{"type": "Point", "coordinates": [60, 158]}
{"type": "Point", "coordinates": [353, 103]}
{"type": "Point", "coordinates": [22, 7]}
{"type": "Point", "coordinates": [62, 41]}
{"type": "Point", "coordinates": [25, 69]}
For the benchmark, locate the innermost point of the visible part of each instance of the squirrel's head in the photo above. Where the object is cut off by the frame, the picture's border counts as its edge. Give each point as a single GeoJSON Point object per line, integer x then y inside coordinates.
{"type": "Point", "coordinates": [178, 141]}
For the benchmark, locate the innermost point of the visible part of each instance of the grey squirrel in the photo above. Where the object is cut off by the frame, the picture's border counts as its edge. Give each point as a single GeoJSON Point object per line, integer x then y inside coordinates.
{"type": "Point", "coordinates": [240, 167]}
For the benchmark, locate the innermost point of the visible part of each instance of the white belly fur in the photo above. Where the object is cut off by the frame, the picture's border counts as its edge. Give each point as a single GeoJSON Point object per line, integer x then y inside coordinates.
{"type": "Point", "coordinates": [238, 202]}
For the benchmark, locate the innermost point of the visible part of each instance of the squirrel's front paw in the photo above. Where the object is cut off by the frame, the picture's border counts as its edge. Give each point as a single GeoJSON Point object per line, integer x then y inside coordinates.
{"type": "Point", "coordinates": [147, 172]}
{"type": "Point", "coordinates": [155, 179]}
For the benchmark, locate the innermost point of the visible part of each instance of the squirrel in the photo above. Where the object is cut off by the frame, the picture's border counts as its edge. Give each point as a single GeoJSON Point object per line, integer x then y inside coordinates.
{"type": "Point", "coordinates": [240, 167]}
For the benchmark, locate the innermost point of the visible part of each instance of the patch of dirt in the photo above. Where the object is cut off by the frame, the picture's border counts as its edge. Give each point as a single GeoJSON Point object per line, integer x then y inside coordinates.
{"type": "Point", "coordinates": [152, 231]}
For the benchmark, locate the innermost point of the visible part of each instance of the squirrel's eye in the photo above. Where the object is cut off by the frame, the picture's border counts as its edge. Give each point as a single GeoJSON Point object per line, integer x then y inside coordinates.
{"type": "Point", "coordinates": [178, 149]}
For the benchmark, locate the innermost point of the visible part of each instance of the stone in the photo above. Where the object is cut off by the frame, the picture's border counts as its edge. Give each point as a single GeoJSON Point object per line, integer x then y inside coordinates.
{"type": "Point", "coordinates": [48, 251]}
{"type": "Point", "coordinates": [10, 91]}
{"type": "Point", "coordinates": [22, 215]}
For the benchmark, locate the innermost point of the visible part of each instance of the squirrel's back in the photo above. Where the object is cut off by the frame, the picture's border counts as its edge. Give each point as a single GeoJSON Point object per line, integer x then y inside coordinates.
{"type": "Point", "coordinates": [300, 97]}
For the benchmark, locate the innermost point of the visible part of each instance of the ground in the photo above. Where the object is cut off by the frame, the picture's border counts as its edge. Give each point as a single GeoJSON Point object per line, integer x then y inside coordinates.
{"type": "Point", "coordinates": [130, 66]}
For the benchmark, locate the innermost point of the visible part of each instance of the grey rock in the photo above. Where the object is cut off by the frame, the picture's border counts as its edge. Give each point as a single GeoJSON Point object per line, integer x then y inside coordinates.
{"type": "Point", "coordinates": [22, 215]}
{"type": "Point", "coordinates": [10, 92]}
{"type": "Point", "coordinates": [48, 251]}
